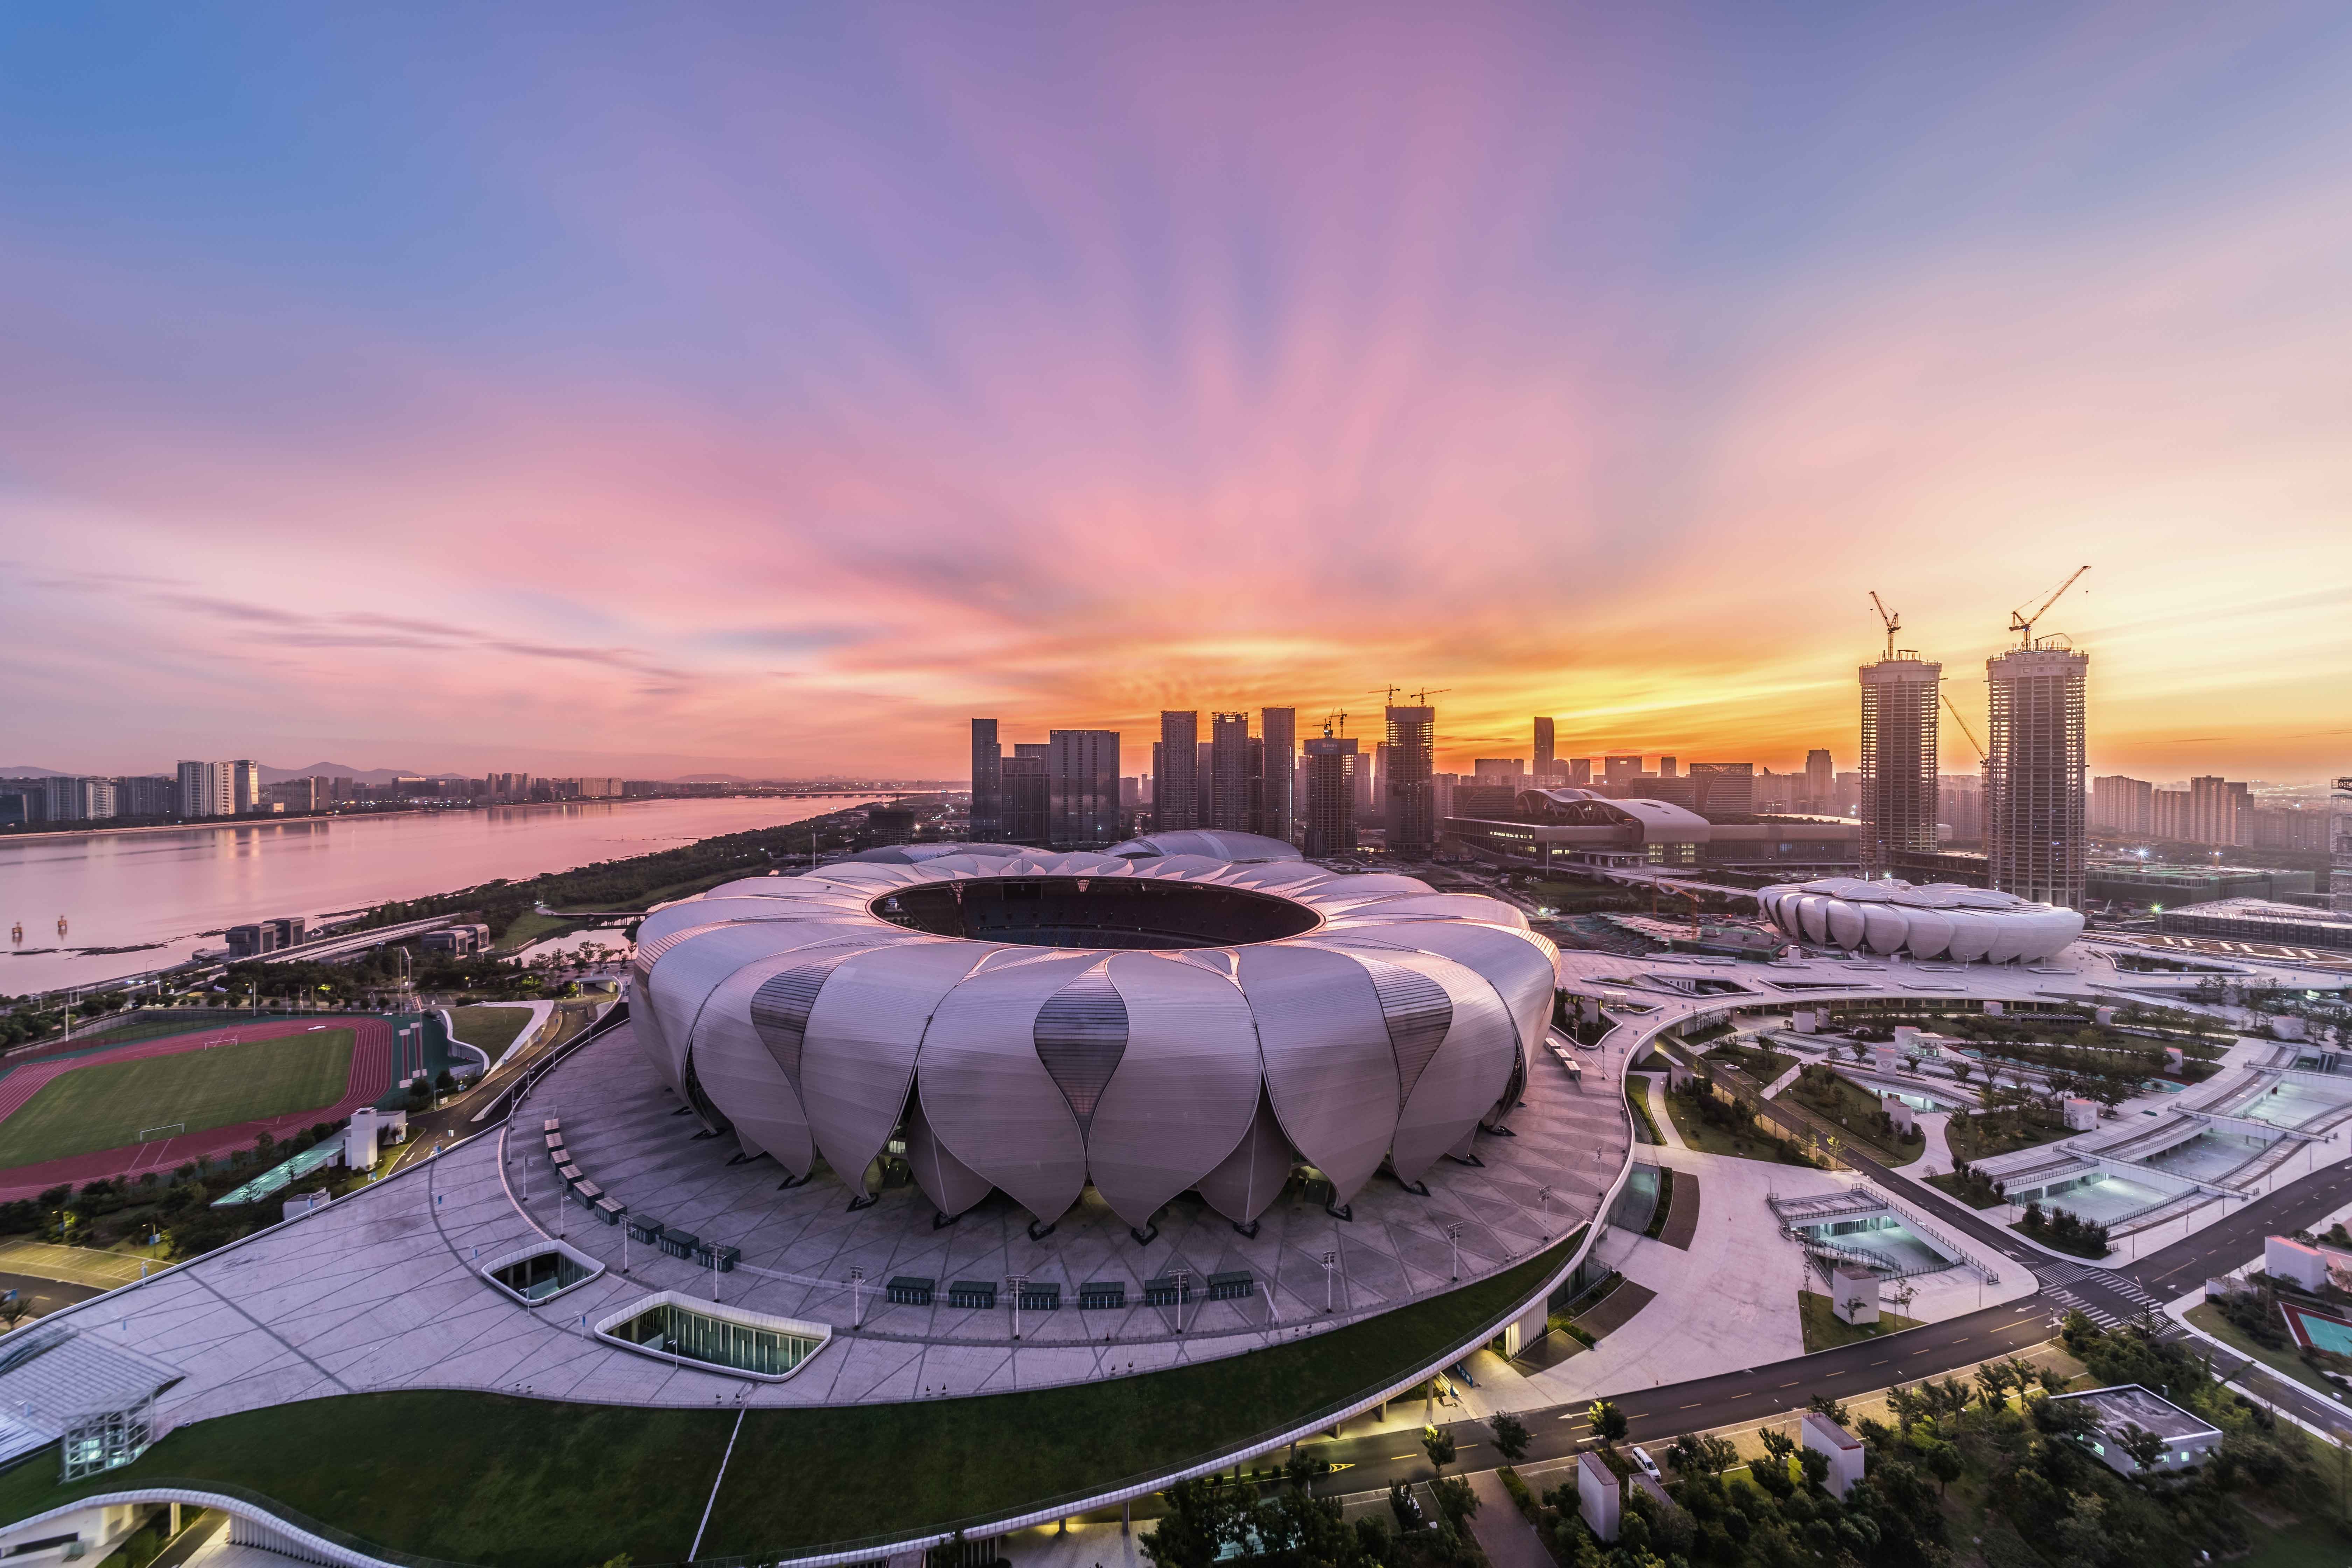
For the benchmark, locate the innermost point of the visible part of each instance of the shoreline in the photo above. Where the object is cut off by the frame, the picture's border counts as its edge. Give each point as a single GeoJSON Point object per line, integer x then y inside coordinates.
{"type": "Point", "coordinates": [218, 824]}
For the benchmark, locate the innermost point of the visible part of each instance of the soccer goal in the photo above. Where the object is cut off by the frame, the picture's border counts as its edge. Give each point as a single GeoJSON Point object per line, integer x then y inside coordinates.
{"type": "Point", "coordinates": [168, 1130]}
{"type": "Point", "coordinates": [225, 1037]}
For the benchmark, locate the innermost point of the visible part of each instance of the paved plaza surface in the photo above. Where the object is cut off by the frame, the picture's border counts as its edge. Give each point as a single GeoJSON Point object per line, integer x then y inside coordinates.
{"type": "Point", "coordinates": [381, 1289]}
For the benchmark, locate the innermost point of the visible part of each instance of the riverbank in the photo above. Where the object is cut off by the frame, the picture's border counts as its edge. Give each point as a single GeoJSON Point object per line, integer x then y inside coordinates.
{"type": "Point", "coordinates": [342, 814]}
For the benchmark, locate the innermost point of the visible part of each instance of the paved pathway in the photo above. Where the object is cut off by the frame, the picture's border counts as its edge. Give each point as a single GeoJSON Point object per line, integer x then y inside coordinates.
{"type": "Point", "coordinates": [1503, 1531]}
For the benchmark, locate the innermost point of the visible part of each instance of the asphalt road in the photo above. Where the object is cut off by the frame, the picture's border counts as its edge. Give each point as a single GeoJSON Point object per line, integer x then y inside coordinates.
{"type": "Point", "coordinates": [47, 1296]}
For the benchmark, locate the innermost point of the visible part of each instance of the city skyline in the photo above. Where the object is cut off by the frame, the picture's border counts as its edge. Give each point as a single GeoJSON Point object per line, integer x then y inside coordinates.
{"type": "Point", "coordinates": [776, 402]}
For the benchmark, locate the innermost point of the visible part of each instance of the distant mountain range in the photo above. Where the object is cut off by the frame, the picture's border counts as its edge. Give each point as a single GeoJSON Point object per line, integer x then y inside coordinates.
{"type": "Point", "coordinates": [345, 771]}
{"type": "Point", "coordinates": [32, 774]}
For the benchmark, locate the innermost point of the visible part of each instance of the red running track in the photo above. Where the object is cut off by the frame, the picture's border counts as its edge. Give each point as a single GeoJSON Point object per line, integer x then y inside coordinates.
{"type": "Point", "coordinates": [371, 1076]}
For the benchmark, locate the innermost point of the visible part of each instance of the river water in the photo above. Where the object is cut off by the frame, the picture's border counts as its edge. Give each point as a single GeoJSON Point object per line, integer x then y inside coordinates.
{"type": "Point", "coordinates": [161, 893]}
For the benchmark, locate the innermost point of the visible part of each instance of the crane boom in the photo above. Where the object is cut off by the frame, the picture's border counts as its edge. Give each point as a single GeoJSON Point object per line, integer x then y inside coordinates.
{"type": "Point", "coordinates": [2022, 624]}
{"type": "Point", "coordinates": [1894, 621]}
{"type": "Point", "coordinates": [1963, 723]}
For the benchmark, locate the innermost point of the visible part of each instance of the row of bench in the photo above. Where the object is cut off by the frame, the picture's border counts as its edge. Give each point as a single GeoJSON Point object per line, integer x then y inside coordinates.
{"type": "Point", "coordinates": [677, 1244]}
{"type": "Point", "coordinates": [1095, 1295]}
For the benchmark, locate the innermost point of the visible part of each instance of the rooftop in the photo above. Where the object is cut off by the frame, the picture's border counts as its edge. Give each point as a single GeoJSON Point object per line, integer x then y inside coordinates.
{"type": "Point", "coordinates": [2129, 1403]}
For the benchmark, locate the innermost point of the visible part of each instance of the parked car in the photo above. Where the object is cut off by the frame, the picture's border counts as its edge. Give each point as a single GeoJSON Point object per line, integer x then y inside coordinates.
{"type": "Point", "coordinates": [1649, 1466]}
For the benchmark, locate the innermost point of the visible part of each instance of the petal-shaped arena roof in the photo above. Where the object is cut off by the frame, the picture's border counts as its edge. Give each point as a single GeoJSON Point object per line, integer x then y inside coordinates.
{"type": "Point", "coordinates": [1146, 1023]}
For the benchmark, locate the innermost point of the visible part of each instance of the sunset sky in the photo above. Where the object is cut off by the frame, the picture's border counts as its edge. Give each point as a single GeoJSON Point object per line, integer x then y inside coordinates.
{"type": "Point", "coordinates": [766, 389]}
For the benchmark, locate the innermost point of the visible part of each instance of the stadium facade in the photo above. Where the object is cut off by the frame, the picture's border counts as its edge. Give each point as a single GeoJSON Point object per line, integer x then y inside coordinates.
{"type": "Point", "coordinates": [1942, 919]}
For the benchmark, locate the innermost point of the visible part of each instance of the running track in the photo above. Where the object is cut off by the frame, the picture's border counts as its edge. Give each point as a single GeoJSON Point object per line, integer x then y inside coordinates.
{"type": "Point", "coordinates": [371, 1076]}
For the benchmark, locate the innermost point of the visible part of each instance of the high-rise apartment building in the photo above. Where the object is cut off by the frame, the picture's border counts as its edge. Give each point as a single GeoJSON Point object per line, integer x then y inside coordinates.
{"type": "Point", "coordinates": [204, 789]}
{"type": "Point", "coordinates": [1278, 727]}
{"type": "Point", "coordinates": [1666, 767]}
{"type": "Point", "coordinates": [1959, 805]}
{"type": "Point", "coordinates": [1899, 706]}
{"type": "Point", "coordinates": [1178, 772]}
{"type": "Point", "coordinates": [1579, 772]}
{"type": "Point", "coordinates": [1328, 821]}
{"type": "Point", "coordinates": [2034, 773]}
{"type": "Point", "coordinates": [147, 794]}
{"type": "Point", "coordinates": [1498, 770]}
{"type": "Point", "coordinates": [2120, 805]}
{"type": "Point", "coordinates": [244, 785]}
{"type": "Point", "coordinates": [1229, 773]}
{"type": "Point", "coordinates": [1543, 752]}
{"type": "Point", "coordinates": [74, 798]}
{"type": "Point", "coordinates": [987, 783]}
{"type": "Point", "coordinates": [2217, 811]}
{"type": "Point", "coordinates": [1410, 760]}
{"type": "Point", "coordinates": [1620, 770]}
{"type": "Point", "coordinates": [1082, 788]}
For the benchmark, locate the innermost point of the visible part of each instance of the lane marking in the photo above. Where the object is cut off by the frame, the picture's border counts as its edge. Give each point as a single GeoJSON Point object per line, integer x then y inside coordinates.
{"type": "Point", "coordinates": [1792, 1383]}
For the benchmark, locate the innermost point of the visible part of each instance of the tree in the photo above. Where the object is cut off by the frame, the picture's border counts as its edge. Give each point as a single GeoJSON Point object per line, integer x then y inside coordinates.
{"type": "Point", "coordinates": [1511, 1437]}
{"type": "Point", "coordinates": [1400, 1504]}
{"type": "Point", "coordinates": [1439, 1445]}
{"type": "Point", "coordinates": [1455, 1500]}
{"type": "Point", "coordinates": [2144, 1446]}
{"type": "Point", "coordinates": [1943, 1462]}
{"type": "Point", "coordinates": [1827, 1406]}
{"type": "Point", "coordinates": [1609, 1423]}
{"type": "Point", "coordinates": [13, 1310]}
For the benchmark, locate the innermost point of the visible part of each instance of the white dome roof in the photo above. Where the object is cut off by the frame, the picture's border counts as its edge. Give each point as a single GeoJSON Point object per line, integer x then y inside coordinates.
{"type": "Point", "coordinates": [1942, 919]}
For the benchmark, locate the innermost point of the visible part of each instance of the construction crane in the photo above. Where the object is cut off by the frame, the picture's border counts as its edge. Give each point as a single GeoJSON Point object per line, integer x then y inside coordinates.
{"type": "Point", "coordinates": [1421, 698]}
{"type": "Point", "coordinates": [1963, 723]}
{"type": "Point", "coordinates": [2022, 624]}
{"type": "Point", "coordinates": [1894, 622]}
{"type": "Point", "coordinates": [1341, 715]}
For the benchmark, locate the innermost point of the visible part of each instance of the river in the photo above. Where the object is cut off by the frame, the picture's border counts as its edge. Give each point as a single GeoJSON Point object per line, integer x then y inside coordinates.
{"type": "Point", "coordinates": [166, 893]}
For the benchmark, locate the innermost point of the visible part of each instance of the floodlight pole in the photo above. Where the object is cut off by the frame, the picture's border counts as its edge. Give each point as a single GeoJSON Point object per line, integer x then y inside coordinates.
{"type": "Point", "coordinates": [1453, 1245]}
{"type": "Point", "coordinates": [1180, 1275]}
{"type": "Point", "coordinates": [857, 1298]}
{"type": "Point", "coordinates": [1012, 1283]}
{"type": "Point", "coordinates": [1330, 1267]}
{"type": "Point", "coordinates": [1543, 1205]}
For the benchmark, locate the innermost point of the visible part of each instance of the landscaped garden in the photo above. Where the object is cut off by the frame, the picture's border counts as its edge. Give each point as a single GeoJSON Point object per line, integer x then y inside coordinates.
{"type": "Point", "coordinates": [1826, 1330]}
{"type": "Point", "coordinates": [1713, 1125]}
{"type": "Point", "coordinates": [2062, 1230]}
{"type": "Point", "coordinates": [1857, 1113]}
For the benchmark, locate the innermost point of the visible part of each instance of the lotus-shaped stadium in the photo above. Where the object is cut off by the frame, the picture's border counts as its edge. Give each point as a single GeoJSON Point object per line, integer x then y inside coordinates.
{"type": "Point", "coordinates": [1942, 919]}
{"type": "Point", "coordinates": [1144, 1022]}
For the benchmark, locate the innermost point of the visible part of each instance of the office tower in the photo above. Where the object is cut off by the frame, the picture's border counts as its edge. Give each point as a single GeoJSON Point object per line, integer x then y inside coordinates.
{"type": "Point", "coordinates": [1543, 752]}
{"type": "Point", "coordinates": [987, 783]}
{"type": "Point", "coordinates": [2339, 846]}
{"type": "Point", "coordinates": [1723, 790]}
{"type": "Point", "coordinates": [1367, 786]}
{"type": "Point", "coordinates": [1082, 791]}
{"type": "Point", "coordinates": [1204, 781]}
{"type": "Point", "coordinates": [2120, 805]}
{"type": "Point", "coordinates": [1821, 779]}
{"type": "Point", "coordinates": [1410, 761]}
{"type": "Point", "coordinates": [1580, 773]}
{"type": "Point", "coordinates": [1026, 813]}
{"type": "Point", "coordinates": [2033, 773]}
{"type": "Point", "coordinates": [147, 794]}
{"type": "Point", "coordinates": [1329, 817]}
{"type": "Point", "coordinates": [2217, 811]}
{"type": "Point", "coordinates": [1131, 794]}
{"type": "Point", "coordinates": [1498, 770]}
{"type": "Point", "coordinates": [1666, 767]}
{"type": "Point", "coordinates": [1278, 727]}
{"type": "Point", "coordinates": [1441, 797]}
{"type": "Point", "coordinates": [244, 785]}
{"type": "Point", "coordinates": [1229, 740]}
{"type": "Point", "coordinates": [1176, 770]}
{"type": "Point", "coordinates": [1900, 698]}
{"type": "Point", "coordinates": [1620, 770]}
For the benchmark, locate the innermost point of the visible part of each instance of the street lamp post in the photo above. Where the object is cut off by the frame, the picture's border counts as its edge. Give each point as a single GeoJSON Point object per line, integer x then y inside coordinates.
{"type": "Point", "coordinates": [1543, 1204]}
{"type": "Point", "coordinates": [857, 1298]}
{"type": "Point", "coordinates": [1330, 1268]}
{"type": "Point", "coordinates": [1180, 1275]}
{"type": "Point", "coordinates": [1012, 1283]}
{"type": "Point", "coordinates": [1454, 1246]}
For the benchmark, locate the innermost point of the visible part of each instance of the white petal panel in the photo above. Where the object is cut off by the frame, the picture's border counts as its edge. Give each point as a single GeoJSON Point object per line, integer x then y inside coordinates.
{"type": "Point", "coordinates": [1470, 1069]}
{"type": "Point", "coordinates": [950, 1185]}
{"type": "Point", "coordinates": [1253, 1173]}
{"type": "Point", "coordinates": [739, 1073]}
{"type": "Point", "coordinates": [1329, 1067]}
{"type": "Point", "coordinates": [1185, 1089]}
{"type": "Point", "coordinates": [990, 1099]}
{"type": "Point", "coordinates": [863, 1030]}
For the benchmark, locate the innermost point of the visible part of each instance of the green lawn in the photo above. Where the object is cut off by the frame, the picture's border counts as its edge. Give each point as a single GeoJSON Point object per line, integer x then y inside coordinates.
{"type": "Point", "coordinates": [523, 1483]}
{"type": "Point", "coordinates": [1743, 1142]}
{"type": "Point", "coordinates": [531, 926]}
{"type": "Point", "coordinates": [1825, 1331]}
{"type": "Point", "coordinates": [1854, 1111]}
{"type": "Point", "coordinates": [1974, 1138]}
{"type": "Point", "coordinates": [108, 1104]}
{"type": "Point", "coordinates": [492, 1029]}
{"type": "Point", "coordinates": [2283, 1361]}
{"type": "Point", "coordinates": [1975, 1197]}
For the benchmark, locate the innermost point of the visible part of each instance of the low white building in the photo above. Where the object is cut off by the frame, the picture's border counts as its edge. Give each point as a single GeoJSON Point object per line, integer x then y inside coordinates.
{"type": "Point", "coordinates": [1842, 1447]}
{"type": "Point", "coordinates": [2116, 1411]}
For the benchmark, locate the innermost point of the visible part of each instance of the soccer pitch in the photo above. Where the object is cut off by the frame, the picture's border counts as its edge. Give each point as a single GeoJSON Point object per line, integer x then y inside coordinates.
{"type": "Point", "coordinates": [108, 1104]}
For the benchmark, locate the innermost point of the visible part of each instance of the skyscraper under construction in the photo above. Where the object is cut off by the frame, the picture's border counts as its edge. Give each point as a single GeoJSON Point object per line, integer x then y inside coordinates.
{"type": "Point", "coordinates": [2034, 772]}
{"type": "Point", "coordinates": [1899, 698]}
{"type": "Point", "coordinates": [1411, 748]}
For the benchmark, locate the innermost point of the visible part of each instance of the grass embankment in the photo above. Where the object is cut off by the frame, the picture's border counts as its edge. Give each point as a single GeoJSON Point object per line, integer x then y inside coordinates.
{"type": "Point", "coordinates": [1974, 1138]}
{"type": "Point", "coordinates": [1977, 1194]}
{"type": "Point", "coordinates": [1825, 1331]}
{"type": "Point", "coordinates": [523, 1483]}
{"type": "Point", "coordinates": [1856, 1114]}
{"type": "Point", "coordinates": [492, 1030]}
{"type": "Point", "coordinates": [1637, 1096]}
{"type": "Point", "coordinates": [108, 1104]}
{"type": "Point", "coordinates": [530, 926]}
{"type": "Point", "coordinates": [1712, 1127]}
{"type": "Point", "coordinates": [2285, 1360]}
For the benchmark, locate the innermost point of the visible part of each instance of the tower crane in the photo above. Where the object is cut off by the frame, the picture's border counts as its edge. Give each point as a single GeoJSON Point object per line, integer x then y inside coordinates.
{"type": "Point", "coordinates": [1963, 723]}
{"type": "Point", "coordinates": [2022, 624]}
{"type": "Point", "coordinates": [1386, 691]}
{"type": "Point", "coordinates": [1341, 715]}
{"type": "Point", "coordinates": [1894, 621]}
{"type": "Point", "coordinates": [1421, 698]}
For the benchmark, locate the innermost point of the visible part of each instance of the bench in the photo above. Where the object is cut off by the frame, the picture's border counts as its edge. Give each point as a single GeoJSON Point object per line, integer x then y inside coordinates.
{"type": "Point", "coordinates": [551, 1124]}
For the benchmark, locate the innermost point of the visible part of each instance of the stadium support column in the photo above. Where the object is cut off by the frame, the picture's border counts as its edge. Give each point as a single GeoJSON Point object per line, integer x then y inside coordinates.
{"type": "Point", "coordinates": [1411, 743]}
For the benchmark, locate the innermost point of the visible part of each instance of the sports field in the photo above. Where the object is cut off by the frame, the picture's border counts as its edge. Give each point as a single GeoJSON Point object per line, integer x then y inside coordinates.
{"type": "Point", "coordinates": [110, 1104]}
